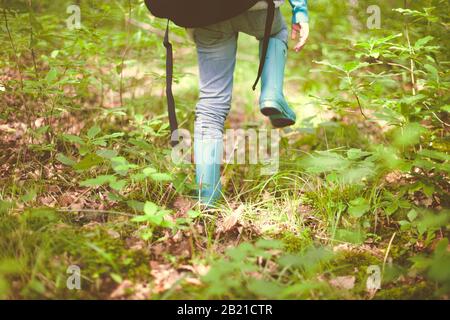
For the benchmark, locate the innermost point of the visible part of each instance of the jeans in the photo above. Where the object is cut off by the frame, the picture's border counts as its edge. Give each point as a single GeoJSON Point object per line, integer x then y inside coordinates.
{"type": "Point", "coordinates": [216, 48]}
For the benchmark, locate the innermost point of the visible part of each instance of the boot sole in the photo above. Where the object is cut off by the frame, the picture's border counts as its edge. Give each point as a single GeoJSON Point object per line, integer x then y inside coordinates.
{"type": "Point", "coordinates": [277, 118]}
{"type": "Point", "coordinates": [270, 111]}
{"type": "Point", "coordinates": [282, 122]}
{"type": "Point", "coordinates": [270, 108]}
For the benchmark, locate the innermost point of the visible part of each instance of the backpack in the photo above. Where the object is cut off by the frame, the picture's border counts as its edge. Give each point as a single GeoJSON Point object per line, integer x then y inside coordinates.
{"type": "Point", "coordinates": [197, 14]}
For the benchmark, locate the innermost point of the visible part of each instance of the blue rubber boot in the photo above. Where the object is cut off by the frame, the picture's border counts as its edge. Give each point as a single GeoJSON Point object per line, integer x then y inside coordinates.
{"type": "Point", "coordinates": [272, 101]}
{"type": "Point", "coordinates": [208, 155]}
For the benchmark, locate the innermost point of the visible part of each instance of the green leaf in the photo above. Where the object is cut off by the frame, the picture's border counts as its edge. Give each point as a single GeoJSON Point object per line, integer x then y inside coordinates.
{"type": "Point", "coordinates": [430, 222]}
{"type": "Point", "coordinates": [65, 160]}
{"type": "Point", "coordinates": [358, 207]}
{"type": "Point", "coordinates": [325, 161]}
{"type": "Point", "coordinates": [147, 235]}
{"type": "Point", "coordinates": [137, 177]}
{"type": "Point", "coordinates": [440, 263]}
{"type": "Point", "coordinates": [426, 153]}
{"type": "Point", "coordinates": [356, 237]}
{"type": "Point", "coordinates": [412, 215]}
{"type": "Point", "coordinates": [40, 131]}
{"type": "Point", "coordinates": [114, 197]}
{"type": "Point", "coordinates": [149, 171]}
{"type": "Point", "coordinates": [404, 225]}
{"type": "Point", "coordinates": [412, 100]}
{"type": "Point", "coordinates": [161, 177]}
{"type": "Point", "coordinates": [156, 219]}
{"type": "Point", "coordinates": [328, 64]}
{"type": "Point", "coordinates": [422, 41]}
{"type": "Point", "coordinates": [51, 75]}
{"type": "Point", "coordinates": [118, 185]}
{"type": "Point", "coordinates": [193, 214]}
{"type": "Point", "coordinates": [263, 288]}
{"type": "Point", "coordinates": [54, 54]}
{"type": "Point", "coordinates": [355, 154]}
{"type": "Point", "coordinates": [121, 165]}
{"type": "Point", "coordinates": [84, 149]}
{"type": "Point", "coordinates": [73, 138]}
{"type": "Point", "coordinates": [99, 181]}
{"type": "Point", "coordinates": [93, 132]}
{"type": "Point", "coordinates": [29, 196]}
{"type": "Point", "coordinates": [358, 174]}
{"type": "Point", "coordinates": [150, 208]}
{"type": "Point", "coordinates": [354, 65]}
{"type": "Point", "coordinates": [408, 135]}
{"type": "Point", "coordinates": [112, 136]}
{"type": "Point", "coordinates": [144, 145]}
{"type": "Point", "coordinates": [391, 208]}
{"type": "Point", "coordinates": [89, 161]}
{"type": "Point", "coordinates": [136, 205]}
{"type": "Point", "coordinates": [116, 277]}
{"type": "Point", "coordinates": [432, 70]}
{"type": "Point", "coordinates": [142, 218]}
{"type": "Point", "coordinates": [154, 215]}
{"type": "Point", "coordinates": [106, 154]}
{"type": "Point", "coordinates": [442, 247]}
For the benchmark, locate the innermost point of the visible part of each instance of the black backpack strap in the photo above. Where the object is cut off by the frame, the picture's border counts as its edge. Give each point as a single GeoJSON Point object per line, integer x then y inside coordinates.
{"type": "Point", "coordinates": [169, 80]}
{"type": "Point", "coordinates": [267, 33]}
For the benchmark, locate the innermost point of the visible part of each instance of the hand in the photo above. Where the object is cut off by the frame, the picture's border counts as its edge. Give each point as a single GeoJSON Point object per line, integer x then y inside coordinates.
{"type": "Point", "coordinates": [300, 30]}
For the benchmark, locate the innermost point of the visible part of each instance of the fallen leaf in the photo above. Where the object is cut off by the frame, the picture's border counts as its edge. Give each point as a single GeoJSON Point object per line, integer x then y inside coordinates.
{"type": "Point", "coordinates": [194, 281]}
{"type": "Point", "coordinates": [164, 276]}
{"type": "Point", "coordinates": [182, 205]}
{"type": "Point", "coordinates": [199, 269]}
{"type": "Point", "coordinates": [135, 244]}
{"type": "Point", "coordinates": [141, 292]}
{"type": "Point", "coordinates": [231, 221]}
{"type": "Point", "coordinates": [121, 290]}
{"type": "Point", "coordinates": [343, 283]}
{"type": "Point", "coordinates": [113, 234]}
{"type": "Point", "coordinates": [128, 290]}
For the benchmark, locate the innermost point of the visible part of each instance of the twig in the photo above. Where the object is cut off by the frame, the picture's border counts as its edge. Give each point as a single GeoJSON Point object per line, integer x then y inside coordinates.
{"type": "Point", "coordinates": [387, 253]}
{"type": "Point", "coordinates": [359, 105]}
{"type": "Point", "coordinates": [436, 116]}
{"type": "Point", "coordinates": [411, 52]}
{"type": "Point", "coordinates": [96, 211]}
{"type": "Point", "coordinates": [13, 47]}
{"type": "Point", "coordinates": [397, 65]}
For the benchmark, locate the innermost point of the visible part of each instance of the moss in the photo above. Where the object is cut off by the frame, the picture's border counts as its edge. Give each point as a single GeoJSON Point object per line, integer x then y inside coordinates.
{"type": "Point", "coordinates": [356, 264]}
{"type": "Point", "coordinates": [296, 243]}
{"type": "Point", "coordinates": [357, 259]}
{"type": "Point", "coordinates": [421, 290]}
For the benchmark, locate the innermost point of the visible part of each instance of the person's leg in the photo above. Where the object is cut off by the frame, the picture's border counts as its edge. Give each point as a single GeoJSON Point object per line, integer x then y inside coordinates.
{"type": "Point", "coordinates": [272, 101]}
{"type": "Point", "coordinates": [254, 23]}
{"type": "Point", "coordinates": [216, 48]}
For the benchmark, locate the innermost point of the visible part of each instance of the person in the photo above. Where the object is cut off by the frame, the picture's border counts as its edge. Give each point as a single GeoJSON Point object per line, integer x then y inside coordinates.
{"type": "Point", "coordinates": [216, 49]}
